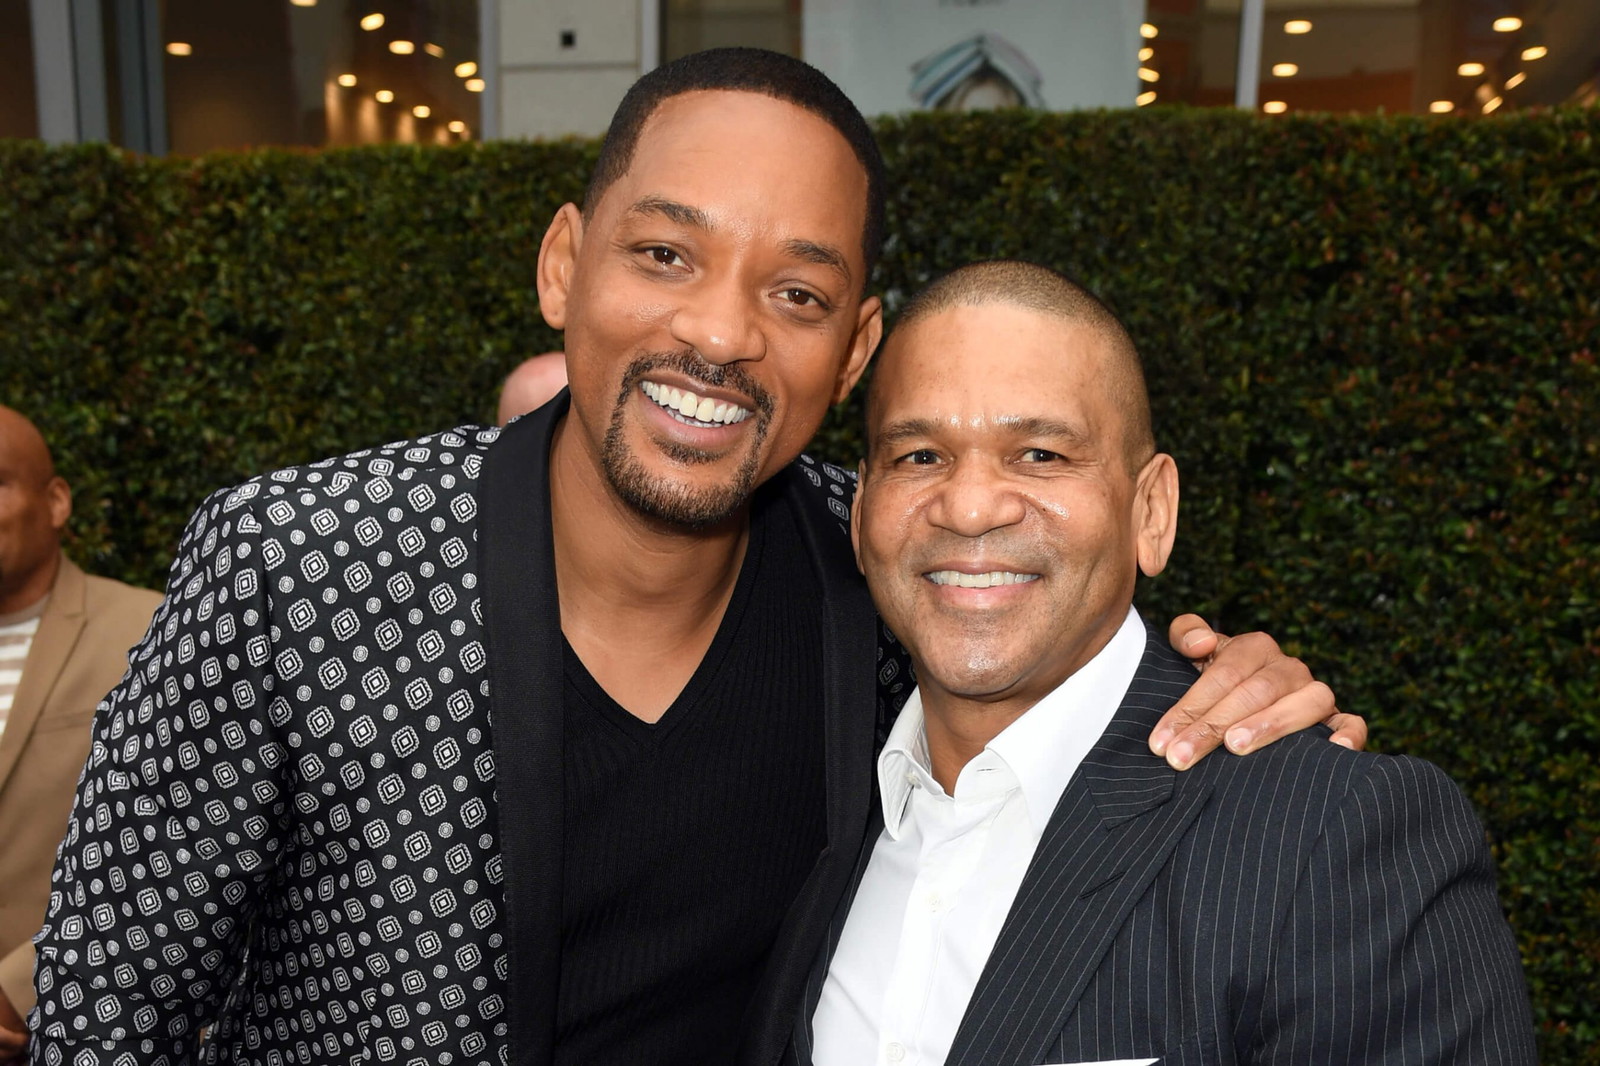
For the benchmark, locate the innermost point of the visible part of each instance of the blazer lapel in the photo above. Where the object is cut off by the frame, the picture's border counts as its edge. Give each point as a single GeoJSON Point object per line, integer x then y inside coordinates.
{"type": "Point", "coordinates": [849, 664]}
{"type": "Point", "coordinates": [1118, 820]}
{"type": "Point", "coordinates": [59, 628]}
{"type": "Point", "coordinates": [522, 622]}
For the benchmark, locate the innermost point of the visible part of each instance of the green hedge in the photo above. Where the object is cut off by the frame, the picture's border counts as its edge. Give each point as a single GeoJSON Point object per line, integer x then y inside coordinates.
{"type": "Point", "coordinates": [1372, 346]}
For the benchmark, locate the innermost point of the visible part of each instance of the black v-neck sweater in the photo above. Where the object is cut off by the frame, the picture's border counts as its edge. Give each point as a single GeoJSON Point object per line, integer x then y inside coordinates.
{"type": "Point", "coordinates": [687, 840]}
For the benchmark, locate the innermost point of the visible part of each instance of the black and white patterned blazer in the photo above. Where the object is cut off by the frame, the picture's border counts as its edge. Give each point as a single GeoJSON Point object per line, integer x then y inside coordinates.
{"type": "Point", "coordinates": [1305, 906]}
{"type": "Point", "coordinates": [304, 762]}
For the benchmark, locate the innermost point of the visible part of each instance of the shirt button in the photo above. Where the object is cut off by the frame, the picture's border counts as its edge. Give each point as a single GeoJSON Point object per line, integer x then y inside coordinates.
{"type": "Point", "coordinates": [896, 1052]}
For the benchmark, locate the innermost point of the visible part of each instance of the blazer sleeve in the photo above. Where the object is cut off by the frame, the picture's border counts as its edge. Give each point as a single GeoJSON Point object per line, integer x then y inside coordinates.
{"type": "Point", "coordinates": [182, 813]}
{"type": "Point", "coordinates": [1395, 948]}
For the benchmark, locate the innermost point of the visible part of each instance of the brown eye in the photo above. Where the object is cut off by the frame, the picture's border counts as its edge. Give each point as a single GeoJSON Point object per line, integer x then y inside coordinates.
{"type": "Point", "coordinates": [663, 256]}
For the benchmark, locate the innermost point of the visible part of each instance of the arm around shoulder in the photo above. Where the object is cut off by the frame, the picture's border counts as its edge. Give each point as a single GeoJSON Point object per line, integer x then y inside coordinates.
{"type": "Point", "coordinates": [1396, 949]}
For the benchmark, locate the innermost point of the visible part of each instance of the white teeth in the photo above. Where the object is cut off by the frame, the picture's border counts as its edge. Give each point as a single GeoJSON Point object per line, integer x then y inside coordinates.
{"type": "Point", "coordinates": [979, 581]}
{"type": "Point", "coordinates": [687, 406]}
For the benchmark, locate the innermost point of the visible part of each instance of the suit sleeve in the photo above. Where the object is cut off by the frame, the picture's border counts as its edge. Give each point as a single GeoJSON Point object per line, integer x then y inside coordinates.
{"type": "Point", "coordinates": [1395, 948]}
{"type": "Point", "coordinates": [181, 815]}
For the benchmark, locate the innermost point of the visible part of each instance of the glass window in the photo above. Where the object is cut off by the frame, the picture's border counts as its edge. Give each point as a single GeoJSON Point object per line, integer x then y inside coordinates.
{"type": "Point", "coordinates": [691, 25]}
{"type": "Point", "coordinates": [1189, 52]}
{"type": "Point", "coordinates": [318, 72]}
{"type": "Point", "coordinates": [1414, 56]}
{"type": "Point", "coordinates": [19, 108]}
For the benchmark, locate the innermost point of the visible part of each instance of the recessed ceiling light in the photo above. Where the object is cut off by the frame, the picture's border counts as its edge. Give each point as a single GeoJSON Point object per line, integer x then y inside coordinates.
{"type": "Point", "coordinates": [1538, 51]}
{"type": "Point", "coordinates": [1297, 26]}
{"type": "Point", "coordinates": [422, 110]}
{"type": "Point", "coordinates": [1470, 70]}
{"type": "Point", "coordinates": [474, 85]}
{"type": "Point", "coordinates": [1145, 99]}
{"type": "Point", "coordinates": [1442, 107]}
{"type": "Point", "coordinates": [1494, 103]}
{"type": "Point", "coordinates": [180, 48]}
{"type": "Point", "coordinates": [347, 80]}
{"type": "Point", "coordinates": [457, 126]}
{"type": "Point", "coordinates": [372, 21]}
{"type": "Point", "coordinates": [1508, 24]}
{"type": "Point", "coordinates": [467, 69]}
{"type": "Point", "coordinates": [1148, 31]}
{"type": "Point", "coordinates": [1516, 79]}
{"type": "Point", "coordinates": [402, 48]}
{"type": "Point", "coordinates": [383, 96]}
{"type": "Point", "coordinates": [1274, 107]}
{"type": "Point", "coordinates": [434, 50]}
{"type": "Point", "coordinates": [1146, 54]}
{"type": "Point", "coordinates": [1146, 74]}
{"type": "Point", "coordinates": [1284, 70]}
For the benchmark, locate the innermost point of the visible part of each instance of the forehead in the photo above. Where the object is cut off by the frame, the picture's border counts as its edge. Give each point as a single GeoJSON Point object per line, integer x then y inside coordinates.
{"type": "Point", "coordinates": [751, 158]}
{"type": "Point", "coordinates": [990, 362]}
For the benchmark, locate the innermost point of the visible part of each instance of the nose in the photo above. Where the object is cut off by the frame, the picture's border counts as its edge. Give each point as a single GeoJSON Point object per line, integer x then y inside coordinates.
{"type": "Point", "coordinates": [719, 320]}
{"type": "Point", "coordinates": [975, 499]}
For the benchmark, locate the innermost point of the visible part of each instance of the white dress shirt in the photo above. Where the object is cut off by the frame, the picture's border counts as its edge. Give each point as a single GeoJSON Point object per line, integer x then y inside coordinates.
{"type": "Point", "coordinates": [946, 868]}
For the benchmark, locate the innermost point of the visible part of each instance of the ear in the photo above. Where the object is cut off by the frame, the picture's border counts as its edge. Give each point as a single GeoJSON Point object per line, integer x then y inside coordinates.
{"type": "Point", "coordinates": [60, 497]}
{"type": "Point", "coordinates": [1155, 513]}
{"type": "Point", "coordinates": [558, 257]}
{"type": "Point", "coordinates": [855, 512]}
{"type": "Point", "coordinates": [863, 342]}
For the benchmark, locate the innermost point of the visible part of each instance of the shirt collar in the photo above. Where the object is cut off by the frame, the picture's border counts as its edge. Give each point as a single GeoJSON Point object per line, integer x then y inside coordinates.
{"type": "Point", "coordinates": [1042, 748]}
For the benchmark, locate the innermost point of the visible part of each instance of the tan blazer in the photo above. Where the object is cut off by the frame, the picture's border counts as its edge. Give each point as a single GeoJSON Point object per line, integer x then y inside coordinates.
{"type": "Point", "coordinates": [78, 654]}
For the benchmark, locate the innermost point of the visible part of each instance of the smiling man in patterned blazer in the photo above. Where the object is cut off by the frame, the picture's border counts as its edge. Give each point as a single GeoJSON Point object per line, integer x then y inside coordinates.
{"type": "Point", "coordinates": [550, 745]}
{"type": "Point", "coordinates": [1040, 888]}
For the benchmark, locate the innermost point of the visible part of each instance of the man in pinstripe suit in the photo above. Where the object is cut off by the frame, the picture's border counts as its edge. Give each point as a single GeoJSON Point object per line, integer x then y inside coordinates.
{"type": "Point", "coordinates": [1042, 889]}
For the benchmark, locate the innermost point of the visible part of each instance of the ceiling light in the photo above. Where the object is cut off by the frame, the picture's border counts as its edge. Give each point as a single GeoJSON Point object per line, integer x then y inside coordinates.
{"type": "Point", "coordinates": [457, 126]}
{"type": "Point", "coordinates": [372, 21]}
{"type": "Point", "coordinates": [383, 96]}
{"type": "Point", "coordinates": [1146, 74]}
{"type": "Point", "coordinates": [180, 48]}
{"type": "Point", "coordinates": [467, 69]}
{"type": "Point", "coordinates": [1146, 53]}
{"type": "Point", "coordinates": [1538, 51]}
{"type": "Point", "coordinates": [1493, 103]}
{"type": "Point", "coordinates": [347, 80]}
{"type": "Point", "coordinates": [1516, 79]}
{"type": "Point", "coordinates": [422, 110]}
{"type": "Point", "coordinates": [1284, 70]}
{"type": "Point", "coordinates": [1274, 107]}
{"type": "Point", "coordinates": [1442, 107]}
{"type": "Point", "coordinates": [1145, 99]}
{"type": "Point", "coordinates": [1470, 70]}
{"type": "Point", "coordinates": [434, 50]}
{"type": "Point", "coordinates": [474, 85]}
{"type": "Point", "coordinates": [1148, 31]}
{"type": "Point", "coordinates": [1508, 24]}
{"type": "Point", "coordinates": [402, 48]}
{"type": "Point", "coordinates": [304, 3]}
{"type": "Point", "coordinates": [1297, 26]}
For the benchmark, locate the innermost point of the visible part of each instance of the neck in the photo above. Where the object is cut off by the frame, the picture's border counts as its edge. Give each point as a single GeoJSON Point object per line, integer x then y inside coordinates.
{"type": "Point", "coordinates": [33, 587]}
{"type": "Point", "coordinates": [958, 729]}
{"type": "Point", "coordinates": [640, 599]}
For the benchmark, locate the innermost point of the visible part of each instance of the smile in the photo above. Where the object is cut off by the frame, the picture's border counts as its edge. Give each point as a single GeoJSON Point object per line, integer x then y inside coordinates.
{"type": "Point", "coordinates": [694, 410]}
{"type": "Point", "coordinates": [979, 581]}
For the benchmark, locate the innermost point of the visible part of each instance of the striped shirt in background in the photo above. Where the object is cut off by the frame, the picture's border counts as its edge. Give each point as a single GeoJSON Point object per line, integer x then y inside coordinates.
{"type": "Point", "coordinates": [16, 637]}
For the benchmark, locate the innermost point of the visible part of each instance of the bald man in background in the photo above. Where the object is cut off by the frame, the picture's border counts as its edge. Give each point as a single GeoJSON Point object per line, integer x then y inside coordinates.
{"type": "Point", "coordinates": [64, 639]}
{"type": "Point", "coordinates": [531, 385]}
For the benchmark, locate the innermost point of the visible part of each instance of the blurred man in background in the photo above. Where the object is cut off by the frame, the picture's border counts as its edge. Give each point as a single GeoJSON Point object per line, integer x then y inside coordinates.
{"type": "Point", "coordinates": [531, 385]}
{"type": "Point", "coordinates": [64, 639]}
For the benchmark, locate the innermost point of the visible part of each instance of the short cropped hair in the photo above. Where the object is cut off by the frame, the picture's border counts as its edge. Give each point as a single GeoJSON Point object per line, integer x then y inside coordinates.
{"type": "Point", "coordinates": [753, 70]}
{"type": "Point", "coordinates": [1033, 287]}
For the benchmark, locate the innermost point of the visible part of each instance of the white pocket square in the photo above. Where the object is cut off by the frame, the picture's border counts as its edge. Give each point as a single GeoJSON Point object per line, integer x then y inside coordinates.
{"type": "Point", "coordinates": [1107, 1062]}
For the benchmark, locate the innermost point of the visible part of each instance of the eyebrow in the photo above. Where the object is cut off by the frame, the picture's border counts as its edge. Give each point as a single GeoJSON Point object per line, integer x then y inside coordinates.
{"type": "Point", "coordinates": [682, 214]}
{"type": "Point", "coordinates": [796, 248]}
{"type": "Point", "coordinates": [1026, 426]}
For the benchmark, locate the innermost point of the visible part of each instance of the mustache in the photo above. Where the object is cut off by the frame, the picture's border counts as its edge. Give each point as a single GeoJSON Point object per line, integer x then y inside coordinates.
{"type": "Point", "coordinates": [689, 363]}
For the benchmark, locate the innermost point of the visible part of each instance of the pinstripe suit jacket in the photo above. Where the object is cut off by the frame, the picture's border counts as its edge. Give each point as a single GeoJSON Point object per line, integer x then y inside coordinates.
{"type": "Point", "coordinates": [1305, 904]}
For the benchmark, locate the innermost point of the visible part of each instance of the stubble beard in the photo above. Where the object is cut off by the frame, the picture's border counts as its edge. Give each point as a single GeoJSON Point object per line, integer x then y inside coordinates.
{"type": "Point", "coordinates": [672, 503]}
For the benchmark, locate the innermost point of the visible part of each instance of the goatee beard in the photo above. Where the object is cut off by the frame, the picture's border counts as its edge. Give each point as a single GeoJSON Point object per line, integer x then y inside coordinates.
{"type": "Point", "coordinates": [664, 501]}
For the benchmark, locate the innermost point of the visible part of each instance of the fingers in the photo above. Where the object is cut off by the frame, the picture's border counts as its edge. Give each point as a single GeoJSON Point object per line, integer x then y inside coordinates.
{"type": "Point", "coordinates": [1251, 694]}
{"type": "Point", "coordinates": [1348, 729]}
{"type": "Point", "coordinates": [1191, 637]}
